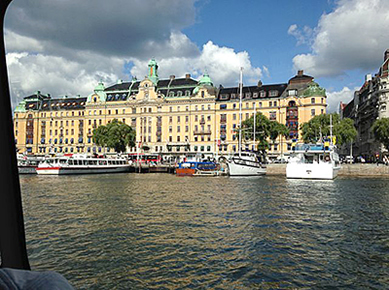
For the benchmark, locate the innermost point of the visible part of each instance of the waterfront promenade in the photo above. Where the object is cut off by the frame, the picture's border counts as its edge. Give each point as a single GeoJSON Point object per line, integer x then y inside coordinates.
{"type": "Point", "coordinates": [359, 169]}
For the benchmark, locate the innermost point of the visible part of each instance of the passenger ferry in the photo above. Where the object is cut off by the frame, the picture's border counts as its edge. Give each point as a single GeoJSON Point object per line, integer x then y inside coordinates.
{"type": "Point", "coordinates": [313, 161]}
{"type": "Point", "coordinates": [28, 164]}
{"type": "Point", "coordinates": [82, 164]}
{"type": "Point", "coordinates": [197, 168]}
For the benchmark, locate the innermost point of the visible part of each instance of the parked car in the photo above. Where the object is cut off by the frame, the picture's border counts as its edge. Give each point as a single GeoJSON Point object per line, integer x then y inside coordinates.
{"type": "Point", "coordinates": [349, 159]}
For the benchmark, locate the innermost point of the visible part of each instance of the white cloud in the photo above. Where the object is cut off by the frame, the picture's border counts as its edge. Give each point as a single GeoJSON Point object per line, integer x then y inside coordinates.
{"type": "Point", "coordinates": [54, 75]}
{"type": "Point", "coordinates": [353, 36]}
{"type": "Point", "coordinates": [334, 98]}
{"type": "Point", "coordinates": [66, 47]}
{"type": "Point", "coordinates": [221, 63]}
{"type": "Point", "coordinates": [303, 36]}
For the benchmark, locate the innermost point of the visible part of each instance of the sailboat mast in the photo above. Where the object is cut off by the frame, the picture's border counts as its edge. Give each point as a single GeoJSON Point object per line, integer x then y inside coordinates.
{"type": "Point", "coordinates": [255, 111]}
{"type": "Point", "coordinates": [240, 109]}
{"type": "Point", "coordinates": [331, 128]}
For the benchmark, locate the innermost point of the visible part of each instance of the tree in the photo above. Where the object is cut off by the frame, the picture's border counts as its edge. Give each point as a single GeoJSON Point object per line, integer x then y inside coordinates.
{"type": "Point", "coordinates": [115, 135]}
{"type": "Point", "coordinates": [344, 129]}
{"type": "Point", "coordinates": [265, 129]}
{"type": "Point", "coordinates": [380, 130]}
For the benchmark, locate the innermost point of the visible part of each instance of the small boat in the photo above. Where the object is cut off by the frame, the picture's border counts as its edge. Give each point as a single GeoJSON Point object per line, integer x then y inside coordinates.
{"type": "Point", "coordinates": [245, 164]}
{"type": "Point", "coordinates": [197, 168]}
{"type": "Point", "coordinates": [82, 164]}
{"type": "Point", "coordinates": [313, 161]}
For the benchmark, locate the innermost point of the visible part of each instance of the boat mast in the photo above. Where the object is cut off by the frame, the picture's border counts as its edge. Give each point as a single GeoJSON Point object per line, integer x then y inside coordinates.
{"type": "Point", "coordinates": [240, 109]}
{"type": "Point", "coordinates": [254, 124]}
{"type": "Point", "coordinates": [331, 128]}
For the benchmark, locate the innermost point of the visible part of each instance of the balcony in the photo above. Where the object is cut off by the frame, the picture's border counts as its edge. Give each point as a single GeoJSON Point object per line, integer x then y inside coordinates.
{"type": "Point", "coordinates": [202, 132]}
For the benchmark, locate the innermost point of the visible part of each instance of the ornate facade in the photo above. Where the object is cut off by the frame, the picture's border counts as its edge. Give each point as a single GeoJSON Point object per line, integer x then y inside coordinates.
{"type": "Point", "coordinates": [370, 102]}
{"type": "Point", "coordinates": [172, 116]}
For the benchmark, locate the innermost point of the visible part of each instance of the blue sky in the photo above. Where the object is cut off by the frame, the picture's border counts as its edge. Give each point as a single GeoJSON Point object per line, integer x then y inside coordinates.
{"type": "Point", "coordinates": [66, 47]}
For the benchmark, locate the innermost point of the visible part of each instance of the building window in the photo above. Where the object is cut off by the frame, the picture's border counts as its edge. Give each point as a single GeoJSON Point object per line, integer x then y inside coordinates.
{"type": "Point", "coordinates": [312, 112]}
{"type": "Point", "coordinates": [312, 100]}
{"type": "Point", "coordinates": [178, 129]}
{"type": "Point", "coordinates": [273, 115]}
{"type": "Point", "coordinates": [233, 116]}
{"type": "Point", "coordinates": [273, 93]}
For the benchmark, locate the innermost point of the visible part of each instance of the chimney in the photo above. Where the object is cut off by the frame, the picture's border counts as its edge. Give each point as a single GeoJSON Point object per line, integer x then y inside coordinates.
{"type": "Point", "coordinates": [259, 84]}
{"type": "Point", "coordinates": [300, 73]}
{"type": "Point", "coordinates": [386, 55]}
{"type": "Point", "coordinates": [187, 76]}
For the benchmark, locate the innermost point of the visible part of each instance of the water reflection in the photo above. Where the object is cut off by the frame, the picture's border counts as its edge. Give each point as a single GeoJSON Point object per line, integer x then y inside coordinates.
{"type": "Point", "coordinates": [151, 231]}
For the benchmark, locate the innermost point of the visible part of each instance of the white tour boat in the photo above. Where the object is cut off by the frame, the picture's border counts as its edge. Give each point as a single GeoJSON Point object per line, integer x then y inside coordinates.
{"type": "Point", "coordinates": [82, 164]}
{"type": "Point", "coordinates": [244, 163]}
{"type": "Point", "coordinates": [313, 161]}
{"type": "Point", "coordinates": [28, 164]}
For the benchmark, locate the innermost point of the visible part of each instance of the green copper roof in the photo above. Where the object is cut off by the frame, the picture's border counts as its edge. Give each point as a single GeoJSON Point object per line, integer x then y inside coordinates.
{"type": "Point", "coordinates": [100, 87]}
{"type": "Point", "coordinates": [21, 108]}
{"type": "Point", "coordinates": [153, 71]}
{"type": "Point", "coordinates": [314, 90]}
{"type": "Point", "coordinates": [205, 80]}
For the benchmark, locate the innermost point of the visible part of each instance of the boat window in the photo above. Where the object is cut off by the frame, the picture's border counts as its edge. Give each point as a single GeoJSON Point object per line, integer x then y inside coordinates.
{"type": "Point", "coordinates": [70, 162]}
{"type": "Point", "coordinates": [308, 159]}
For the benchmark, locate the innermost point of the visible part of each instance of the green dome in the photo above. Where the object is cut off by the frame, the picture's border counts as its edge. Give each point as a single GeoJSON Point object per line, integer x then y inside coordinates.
{"type": "Point", "coordinates": [205, 80]}
{"type": "Point", "coordinates": [100, 87]}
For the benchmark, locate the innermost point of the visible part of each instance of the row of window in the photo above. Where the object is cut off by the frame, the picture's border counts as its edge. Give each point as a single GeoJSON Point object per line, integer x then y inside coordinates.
{"type": "Point", "coordinates": [261, 94]}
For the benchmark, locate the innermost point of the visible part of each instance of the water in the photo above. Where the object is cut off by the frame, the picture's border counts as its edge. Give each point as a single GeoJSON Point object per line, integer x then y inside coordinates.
{"type": "Point", "coordinates": [159, 231]}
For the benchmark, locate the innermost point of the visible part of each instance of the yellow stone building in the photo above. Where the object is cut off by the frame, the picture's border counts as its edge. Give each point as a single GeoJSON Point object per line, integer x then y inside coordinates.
{"type": "Point", "coordinates": [171, 116]}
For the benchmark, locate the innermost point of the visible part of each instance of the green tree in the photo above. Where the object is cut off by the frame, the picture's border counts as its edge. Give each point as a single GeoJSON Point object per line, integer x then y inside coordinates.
{"type": "Point", "coordinates": [344, 129]}
{"type": "Point", "coordinates": [265, 130]}
{"type": "Point", "coordinates": [115, 135]}
{"type": "Point", "coordinates": [380, 130]}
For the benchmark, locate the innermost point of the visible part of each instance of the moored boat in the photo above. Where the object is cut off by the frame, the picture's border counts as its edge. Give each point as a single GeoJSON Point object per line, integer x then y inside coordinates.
{"type": "Point", "coordinates": [196, 168]}
{"type": "Point", "coordinates": [313, 161]}
{"type": "Point", "coordinates": [245, 164]}
{"type": "Point", "coordinates": [28, 164]}
{"type": "Point", "coordinates": [82, 164]}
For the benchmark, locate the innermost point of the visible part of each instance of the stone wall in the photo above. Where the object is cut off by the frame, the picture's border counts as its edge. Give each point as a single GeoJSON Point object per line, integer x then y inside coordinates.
{"type": "Point", "coordinates": [360, 169]}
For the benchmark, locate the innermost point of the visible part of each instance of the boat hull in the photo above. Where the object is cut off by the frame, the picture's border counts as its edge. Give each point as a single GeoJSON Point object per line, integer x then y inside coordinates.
{"type": "Point", "coordinates": [311, 171]}
{"type": "Point", "coordinates": [235, 169]}
{"type": "Point", "coordinates": [185, 171]}
{"type": "Point", "coordinates": [27, 169]}
{"type": "Point", "coordinates": [80, 170]}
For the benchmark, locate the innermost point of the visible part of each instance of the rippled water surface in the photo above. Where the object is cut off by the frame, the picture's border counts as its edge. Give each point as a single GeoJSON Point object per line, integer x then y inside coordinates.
{"type": "Point", "coordinates": [159, 231]}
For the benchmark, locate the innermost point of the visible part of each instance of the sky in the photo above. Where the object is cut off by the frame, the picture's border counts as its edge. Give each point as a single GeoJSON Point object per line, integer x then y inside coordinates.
{"type": "Point", "coordinates": [66, 47]}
